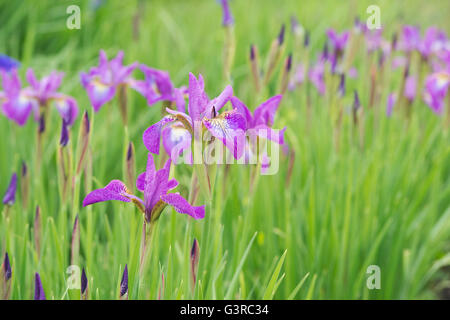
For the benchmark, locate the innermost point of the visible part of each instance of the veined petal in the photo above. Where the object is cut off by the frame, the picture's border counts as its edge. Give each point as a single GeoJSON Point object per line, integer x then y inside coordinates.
{"type": "Point", "coordinates": [197, 97]}
{"type": "Point", "coordinates": [115, 190]}
{"type": "Point", "coordinates": [149, 174]}
{"type": "Point", "coordinates": [229, 127]}
{"type": "Point", "coordinates": [156, 187]}
{"type": "Point", "coordinates": [99, 92]}
{"type": "Point", "coordinates": [181, 205]}
{"type": "Point", "coordinates": [152, 136]}
{"type": "Point", "coordinates": [176, 141]}
{"type": "Point", "coordinates": [18, 109]}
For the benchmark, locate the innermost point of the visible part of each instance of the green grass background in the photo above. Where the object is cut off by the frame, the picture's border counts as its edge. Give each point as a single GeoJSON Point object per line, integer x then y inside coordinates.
{"type": "Point", "coordinates": [385, 205]}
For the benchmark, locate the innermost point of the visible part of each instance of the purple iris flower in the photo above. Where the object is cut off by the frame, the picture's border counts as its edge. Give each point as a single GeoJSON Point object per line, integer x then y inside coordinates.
{"type": "Point", "coordinates": [102, 82]}
{"type": "Point", "coordinates": [10, 195]}
{"type": "Point", "coordinates": [374, 39]}
{"type": "Point", "coordinates": [410, 88]}
{"type": "Point", "coordinates": [338, 41]}
{"type": "Point", "coordinates": [7, 63]}
{"type": "Point", "coordinates": [228, 127]}
{"type": "Point", "coordinates": [155, 185]}
{"type": "Point", "coordinates": [316, 75]}
{"type": "Point", "coordinates": [39, 293]}
{"type": "Point", "coordinates": [18, 103]}
{"type": "Point", "coordinates": [157, 86]}
{"type": "Point", "coordinates": [436, 88]}
{"type": "Point", "coordinates": [410, 38]}
{"type": "Point", "coordinates": [227, 17]}
{"type": "Point", "coordinates": [260, 121]}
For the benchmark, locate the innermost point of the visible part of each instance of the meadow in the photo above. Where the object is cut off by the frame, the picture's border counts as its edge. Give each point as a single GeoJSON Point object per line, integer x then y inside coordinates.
{"type": "Point", "coordinates": [357, 186]}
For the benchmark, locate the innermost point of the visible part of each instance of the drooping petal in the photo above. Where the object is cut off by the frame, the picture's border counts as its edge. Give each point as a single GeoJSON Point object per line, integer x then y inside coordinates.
{"type": "Point", "coordinates": [152, 136]}
{"type": "Point", "coordinates": [18, 109]}
{"type": "Point", "coordinates": [176, 141]}
{"type": "Point", "coordinates": [229, 127]}
{"type": "Point", "coordinates": [181, 205]}
{"type": "Point", "coordinates": [99, 92]}
{"type": "Point", "coordinates": [115, 190]}
{"type": "Point", "coordinates": [67, 107]}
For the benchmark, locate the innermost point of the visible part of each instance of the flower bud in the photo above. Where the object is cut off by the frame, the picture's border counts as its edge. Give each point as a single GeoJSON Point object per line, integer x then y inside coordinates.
{"type": "Point", "coordinates": [124, 285]}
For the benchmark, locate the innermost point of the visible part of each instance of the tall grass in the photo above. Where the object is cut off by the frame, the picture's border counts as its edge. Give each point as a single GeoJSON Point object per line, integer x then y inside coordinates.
{"type": "Point", "coordinates": [386, 204]}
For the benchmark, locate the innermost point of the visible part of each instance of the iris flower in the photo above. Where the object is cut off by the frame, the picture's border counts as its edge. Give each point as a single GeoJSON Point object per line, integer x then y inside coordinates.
{"type": "Point", "coordinates": [228, 127]}
{"type": "Point", "coordinates": [436, 88]}
{"type": "Point", "coordinates": [155, 185]}
{"type": "Point", "coordinates": [410, 38]}
{"type": "Point", "coordinates": [8, 63]}
{"type": "Point", "coordinates": [260, 121]}
{"type": "Point", "coordinates": [157, 86]}
{"type": "Point", "coordinates": [18, 102]}
{"type": "Point", "coordinates": [102, 82]}
{"type": "Point", "coordinates": [338, 41]}
{"type": "Point", "coordinates": [316, 76]}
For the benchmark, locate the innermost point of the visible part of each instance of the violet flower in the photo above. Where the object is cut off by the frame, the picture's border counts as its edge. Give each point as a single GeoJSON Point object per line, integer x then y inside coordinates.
{"type": "Point", "coordinates": [227, 16]}
{"type": "Point", "coordinates": [102, 82]}
{"type": "Point", "coordinates": [338, 41]}
{"type": "Point", "coordinates": [157, 86]}
{"type": "Point", "coordinates": [17, 103]}
{"type": "Point", "coordinates": [374, 39]}
{"type": "Point", "coordinates": [45, 92]}
{"type": "Point", "coordinates": [228, 127]}
{"type": "Point", "coordinates": [410, 38]}
{"type": "Point", "coordinates": [410, 88]}
{"type": "Point", "coordinates": [39, 293]}
{"type": "Point", "coordinates": [436, 88]}
{"type": "Point", "coordinates": [10, 195]}
{"type": "Point", "coordinates": [317, 76]}
{"type": "Point", "coordinates": [155, 185]}
{"type": "Point", "coordinates": [260, 121]}
{"type": "Point", "coordinates": [7, 63]}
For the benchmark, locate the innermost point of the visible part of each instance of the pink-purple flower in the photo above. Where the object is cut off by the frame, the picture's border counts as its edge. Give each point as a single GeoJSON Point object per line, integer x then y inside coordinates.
{"type": "Point", "coordinates": [228, 127]}
{"type": "Point", "coordinates": [102, 82]}
{"type": "Point", "coordinates": [10, 195]}
{"type": "Point", "coordinates": [436, 88]}
{"type": "Point", "coordinates": [157, 86]}
{"type": "Point", "coordinates": [155, 186]}
{"type": "Point", "coordinates": [18, 102]}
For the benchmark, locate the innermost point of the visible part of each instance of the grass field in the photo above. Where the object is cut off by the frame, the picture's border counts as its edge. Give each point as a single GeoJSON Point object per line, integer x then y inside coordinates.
{"type": "Point", "coordinates": [382, 198]}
